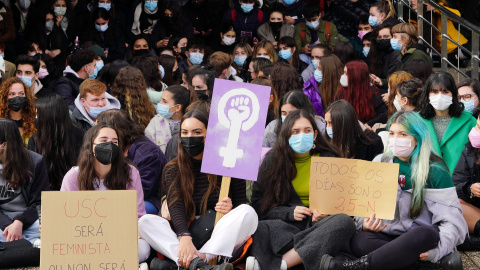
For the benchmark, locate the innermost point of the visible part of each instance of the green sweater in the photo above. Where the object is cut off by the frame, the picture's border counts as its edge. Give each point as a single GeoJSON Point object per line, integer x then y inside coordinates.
{"type": "Point", "coordinates": [301, 181]}
{"type": "Point", "coordinates": [438, 176]}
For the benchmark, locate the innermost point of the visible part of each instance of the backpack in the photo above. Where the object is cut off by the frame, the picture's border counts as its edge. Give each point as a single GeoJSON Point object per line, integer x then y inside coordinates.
{"type": "Point", "coordinates": [233, 13]}
{"type": "Point", "coordinates": [328, 31]}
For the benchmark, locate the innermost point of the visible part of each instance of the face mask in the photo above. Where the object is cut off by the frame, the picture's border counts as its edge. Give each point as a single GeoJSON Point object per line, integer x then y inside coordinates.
{"type": "Point", "coordinates": [395, 45]}
{"type": "Point", "coordinates": [60, 11]}
{"type": "Point", "coordinates": [365, 51]}
{"type": "Point", "coordinates": [24, 4]}
{"type": "Point", "coordinates": [313, 25]}
{"type": "Point", "coordinates": [361, 34]}
{"type": "Point", "coordinates": [196, 58]}
{"type": "Point", "coordinates": [246, 7]}
{"type": "Point", "coordinates": [469, 105]}
{"type": "Point", "coordinates": [42, 73]}
{"type": "Point", "coordinates": [315, 63]}
{"type": "Point", "coordinates": [49, 26]}
{"type": "Point", "coordinates": [193, 145]}
{"type": "Point", "coordinates": [228, 41]}
{"type": "Point", "coordinates": [105, 6]}
{"type": "Point", "coordinates": [401, 147]}
{"type": "Point", "coordinates": [474, 137]}
{"type": "Point", "coordinates": [276, 25]}
{"type": "Point", "coordinates": [163, 109]}
{"type": "Point", "coordinates": [101, 28]}
{"type": "Point", "coordinates": [440, 102]}
{"type": "Point", "coordinates": [95, 111]}
{"type": "Point", "coordinates": [318, 76]}
{"type": "Point", "coordinates": [99, 65]}
{"type": "Point", "coordinates": [26, 80]}
{"type": "Point", "coordinates": [285, 54]}
{"type": "Point", "coordinates": [329, 132]}
{"type": "Point", "coordinates": [106, 152]}
{"type": "Point", "coordinates": [397, 105]}
{"type": "Point", "coordinates": [283, 118]}
{"type": "Point", "coordinates": [95, 72]}
{"type": "Point", "coordinates": [162, 71]}
{"type": "Point", "coordinates": [384, 44]}
{"type": "Point", "coordinates": [372, 20]}
{"type": "Point", "coordinates": [151, 6]}
{"type": "Point", "coordinates": [344, 80]}
{"type": "Point", "coordinates": [288, 2]}
{"type": "Point", "coordinates": [32, 54]}
{"type": "Point", "coordinates": [16, 103]}
{"type": "Point", "coordinates": [301, 143]}
{"type": "Point", "coordinates": [240, 60]}
{"type": "Point", "coordinates": [140, 52]}
{"type": "Point", "coordinates": [202, 94]}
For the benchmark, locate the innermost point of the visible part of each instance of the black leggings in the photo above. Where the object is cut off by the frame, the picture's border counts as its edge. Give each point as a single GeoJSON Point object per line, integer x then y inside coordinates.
{"type": "Point", "coordinates": [394, 252]}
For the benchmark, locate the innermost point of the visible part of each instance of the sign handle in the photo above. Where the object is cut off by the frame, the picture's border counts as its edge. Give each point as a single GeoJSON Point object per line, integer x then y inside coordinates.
{"type": "Point", "coordinates": [224, 189]}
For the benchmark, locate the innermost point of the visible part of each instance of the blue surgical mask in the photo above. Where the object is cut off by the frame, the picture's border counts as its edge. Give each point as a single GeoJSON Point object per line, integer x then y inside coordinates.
{"type": "Point", "coordinates": [163, 109]}
{"type": "Point", "coordinates": [318, 76]}
{"type": "Point", "coordinates": [283, 118]}
{"type": "Point", "coordinates": [101, 28]}
{"type": "Point", "coordinates": [95, 111]}
{"type": "Point", "coordinates": [329, 132]}
{"type": "Point", "coordinates": [95, 72]}
{"type": "Point", "coordinates": [315, 64]}
{"type": "Point", "coordinates": [162, 70]}
{"type": "Point", "coordinates": [247, 7]}
{"type": "Point", "coordinates": [196, 58]}
{"type": "Point", "coordinates": [313, 25]}
{"type": "Point", "coordinates": [105, 6]}
{"type": "Point", "coordinates": [469, 105]}
{"type": "Point", "coordinates": [395, 45]}
{"type": "Point", "coordinates": [301, 143]}
{"type": "Point", "coordinates": [240, 60]}
{"type": "Point", "coordinates": [285, 54]}
{"type": "Point", "coordinates": [372, 20]}
{"type": "Point", "coordinates": [288, 2]}
{"type": "Point", "coordinates": [26, 80]}
{"type": "Point", "coordinates": [365, 51]}
{"type": "Point", "coordinates": [99, 65]}
{"type": "Point", "coordinates": [150, 5]}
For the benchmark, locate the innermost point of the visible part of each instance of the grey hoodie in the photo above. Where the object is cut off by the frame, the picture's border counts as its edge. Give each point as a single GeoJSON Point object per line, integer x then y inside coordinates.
{"type": "Point", "coordinates": [441, 210]}
{"type": "Point", "coordinates": [80, 114]}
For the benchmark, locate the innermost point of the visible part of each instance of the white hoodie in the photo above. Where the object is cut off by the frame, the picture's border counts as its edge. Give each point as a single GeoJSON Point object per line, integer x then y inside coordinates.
{"type": "Point", "coordinates": [112, 103]}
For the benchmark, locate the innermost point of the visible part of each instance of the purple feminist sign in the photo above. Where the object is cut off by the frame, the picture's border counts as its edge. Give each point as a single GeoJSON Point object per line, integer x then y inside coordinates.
{"type": "Point", "coordinates": [235, 129]}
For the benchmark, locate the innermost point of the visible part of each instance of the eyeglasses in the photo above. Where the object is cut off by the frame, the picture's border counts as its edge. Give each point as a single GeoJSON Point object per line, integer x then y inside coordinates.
{"type": "Point", "coordinates": [466, 97]}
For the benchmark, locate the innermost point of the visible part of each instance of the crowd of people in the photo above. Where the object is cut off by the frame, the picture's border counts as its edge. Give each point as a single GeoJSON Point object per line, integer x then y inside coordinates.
{"type": "Point", "coordinates": [115, 95]}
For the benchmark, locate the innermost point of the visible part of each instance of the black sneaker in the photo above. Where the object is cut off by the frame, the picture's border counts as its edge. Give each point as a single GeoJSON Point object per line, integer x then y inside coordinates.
{"type": "Point", "coordinates": [159, 264]}
{"type": "Point", "coordinates": [199, 264]}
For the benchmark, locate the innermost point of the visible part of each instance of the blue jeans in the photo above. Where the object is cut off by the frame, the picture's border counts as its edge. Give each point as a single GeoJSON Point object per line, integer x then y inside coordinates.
{"type": "Point", "coordinates": [150, 208]}
{"type": "Point", "coordinates": [30, 234]}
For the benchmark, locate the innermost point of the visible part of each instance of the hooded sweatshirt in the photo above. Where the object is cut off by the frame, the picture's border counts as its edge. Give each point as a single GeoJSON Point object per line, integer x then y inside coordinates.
{"type": "Point", "coordinates": [83, 118]}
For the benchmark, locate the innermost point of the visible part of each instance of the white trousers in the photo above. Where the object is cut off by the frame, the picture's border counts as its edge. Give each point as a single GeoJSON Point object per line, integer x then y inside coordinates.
{"type": "Point", "coordinates": [230, 233]}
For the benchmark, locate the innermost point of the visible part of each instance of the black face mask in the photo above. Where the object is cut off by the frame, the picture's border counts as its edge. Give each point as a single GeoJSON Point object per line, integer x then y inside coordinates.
{"type": "Point", "coordinates": [384, 44]}
{"type": "Point", "coordinates": [202, 94]}
{"type": "Point", "coordinates": [276, 26]}
{"type": "Point", "coordinates": [16, 103]}
{"type": "Point", "coordinates": [183, 49]}
{"type": "Point", "coordinates": [140, 52]}
{"type": "Point", "coordinates": [106, 152]}
{"type": "Point", "coordinates": [193, 145]}
{"type": "Point", "coordinates": [169, 20]}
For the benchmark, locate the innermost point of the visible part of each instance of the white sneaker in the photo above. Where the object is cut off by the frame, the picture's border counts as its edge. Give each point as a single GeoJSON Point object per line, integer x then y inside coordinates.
{"type": "Point", "coordinates": [37, 243]}
{"type": "Point", "coordinates": [143, 266]}
{"type": "Point", "coordinates": [252, 264]}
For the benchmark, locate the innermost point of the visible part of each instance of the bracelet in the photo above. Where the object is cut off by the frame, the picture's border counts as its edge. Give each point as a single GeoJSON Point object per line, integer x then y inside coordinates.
{"type": "Point", "coordinates": [184, 234]}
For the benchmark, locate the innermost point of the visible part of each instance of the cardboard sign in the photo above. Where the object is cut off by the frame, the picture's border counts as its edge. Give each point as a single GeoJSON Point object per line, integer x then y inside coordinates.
{"type": "Point", "coordinates": [235, 129]}
{"type": "Point", "coordinates": [354, 187]}
{"type": "Point", "coordinates": [89, 230]}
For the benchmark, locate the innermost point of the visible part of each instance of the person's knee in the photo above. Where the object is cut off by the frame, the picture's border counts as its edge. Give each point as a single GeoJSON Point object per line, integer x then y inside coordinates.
{"type": "Point", "coordinates": [147, 221]}
{"type": "Point", "coordinates": [427, 234]}
{"type": "Point", "coordinates": [143, 250]}
{"type": "Point", "coordinates": [344, 222]}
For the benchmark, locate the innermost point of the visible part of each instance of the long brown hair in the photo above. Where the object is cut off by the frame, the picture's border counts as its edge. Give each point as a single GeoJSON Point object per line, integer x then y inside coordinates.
{"type": "Point", "coordinates": [284, 78]}
{"type": "Point", "coordinates": [182, 187]}
{"type": "Point", "coordinates": [332, 70]}
{"type": "Point", "coordinates": [130, 88]}
{"type": "Point", "coordinates": [119, 176]}
{"type": "Point", "coordinates": [28, 112]}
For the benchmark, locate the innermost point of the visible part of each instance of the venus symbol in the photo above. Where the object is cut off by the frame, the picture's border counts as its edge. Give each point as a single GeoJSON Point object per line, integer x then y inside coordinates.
{"type": "Point", "coordinates": [242, 108]}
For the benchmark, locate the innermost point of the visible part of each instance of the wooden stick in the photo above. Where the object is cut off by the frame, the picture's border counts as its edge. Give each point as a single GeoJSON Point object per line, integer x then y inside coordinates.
{"type": "Point", "coordinates": [224, 189]}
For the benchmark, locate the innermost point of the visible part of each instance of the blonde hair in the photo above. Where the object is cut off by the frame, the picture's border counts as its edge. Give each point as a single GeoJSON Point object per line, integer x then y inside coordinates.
{"type": "Point", "coordinates": [268, 46]}
{"type": "Point", "coordinates": [393, 81]}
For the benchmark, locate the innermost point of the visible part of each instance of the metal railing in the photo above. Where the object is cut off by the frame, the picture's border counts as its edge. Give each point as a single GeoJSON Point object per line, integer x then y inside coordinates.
{"type": "Point", "coordinates": [445, 15]}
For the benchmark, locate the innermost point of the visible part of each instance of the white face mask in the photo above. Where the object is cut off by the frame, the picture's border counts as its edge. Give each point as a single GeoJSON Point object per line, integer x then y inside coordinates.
{"type": "Point", "coordinates": [397, 105]}
{"type": "Point", "coordinates": [440, 102]}
{"type": "Point", "coordinates": [344, 80]}
{"type": "Point", "coordinates": [60, 11]}
{"type": "Point", "coordinates": [228, 41]}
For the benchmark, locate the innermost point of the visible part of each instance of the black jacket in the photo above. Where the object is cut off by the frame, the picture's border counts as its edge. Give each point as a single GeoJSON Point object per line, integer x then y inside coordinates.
{"type": "Point", "coordinates": [346, 14]}
{"type": "Point", "coordinates": [369, 152]}
{"type": "Point", "coordinates": [67, 87]}
{"type": "Point", "coordinates": [466, 173]}
{"type": "Point", "coordinates": [31, 192]}
{"type": "Point", "coordinates": [112, 39]}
